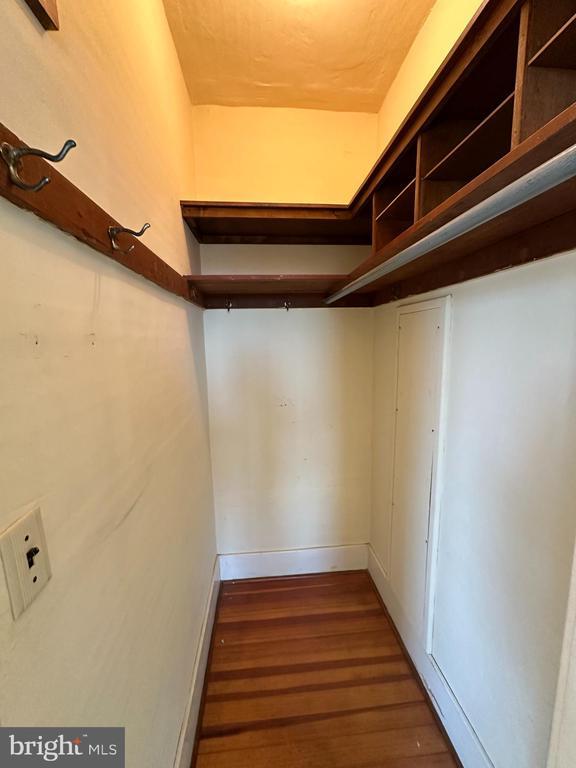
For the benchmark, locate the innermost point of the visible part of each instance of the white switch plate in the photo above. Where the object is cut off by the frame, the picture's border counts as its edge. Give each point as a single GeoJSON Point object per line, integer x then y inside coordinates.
{"type": "Point", "coordinates": [25, 579]}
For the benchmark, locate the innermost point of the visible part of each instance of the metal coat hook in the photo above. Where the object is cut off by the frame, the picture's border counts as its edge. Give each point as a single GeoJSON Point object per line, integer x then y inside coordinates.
{"type": "Point", "coordinates": [12, 156]}
{"type": "Point", "coordinates": [228, 305]}
{"type": "Point", "coordinates": [113, 233]}
{"type": "Point", "coordinates": [287, 305]}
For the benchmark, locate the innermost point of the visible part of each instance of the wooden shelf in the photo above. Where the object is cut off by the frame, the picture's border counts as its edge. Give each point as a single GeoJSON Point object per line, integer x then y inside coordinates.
{"type": "Point", "coordinates": [277, 223]}
{"type": "Point", "coordinates": [560, 50]}
{"type": "Point", "coordinates": [486, 143]}
{"type": "Point", "coordinates": [267, 291]}
{"type": "Point", "coordinates": [234, 285]}
{"type": "Point", "coordinates": [401, 207]}
{"type": "Point", "coordinates": [544, 226]}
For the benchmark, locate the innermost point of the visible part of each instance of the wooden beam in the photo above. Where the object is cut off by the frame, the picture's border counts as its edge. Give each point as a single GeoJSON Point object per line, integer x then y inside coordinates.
{"type": "Point", "coordinates": [46, 11]}
{"type": "Point", "coordinates": [71, 210]}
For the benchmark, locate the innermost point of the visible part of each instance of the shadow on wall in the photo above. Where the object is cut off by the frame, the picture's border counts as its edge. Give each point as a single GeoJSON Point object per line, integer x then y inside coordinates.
{"type": "Point", "coordinates": [290, 417]}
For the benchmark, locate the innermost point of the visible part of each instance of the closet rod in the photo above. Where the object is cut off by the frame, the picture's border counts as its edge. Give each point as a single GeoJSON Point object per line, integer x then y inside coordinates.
{"type": "Point", "coordinates": [545, 177]}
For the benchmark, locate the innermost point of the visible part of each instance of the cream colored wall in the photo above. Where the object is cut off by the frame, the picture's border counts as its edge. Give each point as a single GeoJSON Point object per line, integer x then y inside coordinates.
{"type": "Point", "coordinates": [281, 259]}
{"type": "Point", "coordinates": [265, 154]}
{"type": "Point", "coordinates": [291, 424]}
{"type": "Point", "coordinates": [442, 28]}
{"type": "Point", "coordinates": [103, 400]}
{"type": "Point", "coordinates": [563, 742]}
{"type": "Point", "coordinates": [260, 154]}
{"type": "Point", "coordinates": [506, 517]}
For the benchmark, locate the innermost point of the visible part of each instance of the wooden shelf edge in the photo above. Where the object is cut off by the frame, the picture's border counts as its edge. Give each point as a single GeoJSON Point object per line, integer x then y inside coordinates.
{"type": "Point", "coordinates": [550, 238]}
{"type": "Point", "coordinates": [283, 301]}
{"type": "Point", "coordinates": [281, 284]}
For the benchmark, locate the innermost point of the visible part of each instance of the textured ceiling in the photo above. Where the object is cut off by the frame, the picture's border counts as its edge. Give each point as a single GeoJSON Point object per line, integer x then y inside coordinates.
{"type": "Point", "coordinates": [316, 54]}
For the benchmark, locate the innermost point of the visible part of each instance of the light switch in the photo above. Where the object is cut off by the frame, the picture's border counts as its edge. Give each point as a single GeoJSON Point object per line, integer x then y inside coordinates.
{"type": "Point", "coordinates": [25, 559]}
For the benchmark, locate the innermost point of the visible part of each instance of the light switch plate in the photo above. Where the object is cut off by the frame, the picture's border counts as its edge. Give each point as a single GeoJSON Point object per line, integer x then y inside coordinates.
{"type": "Point", "coordinates": [25, 559]}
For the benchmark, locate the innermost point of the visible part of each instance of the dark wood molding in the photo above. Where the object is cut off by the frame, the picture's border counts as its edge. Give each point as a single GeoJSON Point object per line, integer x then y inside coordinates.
{"type": "Point", "coordinates": [269, 291]}
{"type": "Point", "coordinates": [46, 11]}
{"type": "Point", "coordinates": [71, 210]}
{"type": "Point", "coordinates": [278, 301]}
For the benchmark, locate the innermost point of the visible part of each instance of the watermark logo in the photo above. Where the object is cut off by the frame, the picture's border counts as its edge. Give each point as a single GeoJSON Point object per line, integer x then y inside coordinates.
{"type": "Point", "coordinates": [66, 747]}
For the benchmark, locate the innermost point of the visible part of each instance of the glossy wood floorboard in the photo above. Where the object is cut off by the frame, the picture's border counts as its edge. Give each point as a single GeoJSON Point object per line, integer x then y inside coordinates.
{"type": "Point", "coordinates": [306, 672]}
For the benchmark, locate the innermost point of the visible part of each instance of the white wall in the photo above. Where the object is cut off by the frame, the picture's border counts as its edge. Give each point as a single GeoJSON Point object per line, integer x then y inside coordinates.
{"type": "Point", "coordinates": [563, 742]}
{"type": "Point", "coordinates": [507, 520]}
{"type": "Point", "coordinates": [281, 259]}
{"type": "Point", "coordinates": [291, 422]}
{"type": "Point", "coordinates": [103, 399]}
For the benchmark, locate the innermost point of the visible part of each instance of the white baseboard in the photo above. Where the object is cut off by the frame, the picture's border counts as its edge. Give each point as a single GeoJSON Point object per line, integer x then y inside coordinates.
{"type": "Point", "coordinates": [457, 725]}
{"type": "Point", "coordinates": [290, 562]}
{"type": "Point", "coordinates": [188, 731]}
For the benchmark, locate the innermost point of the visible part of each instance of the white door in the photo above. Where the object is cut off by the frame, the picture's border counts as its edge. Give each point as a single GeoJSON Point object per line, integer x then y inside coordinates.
{"type": "Point", "coordinates": [420, 366]}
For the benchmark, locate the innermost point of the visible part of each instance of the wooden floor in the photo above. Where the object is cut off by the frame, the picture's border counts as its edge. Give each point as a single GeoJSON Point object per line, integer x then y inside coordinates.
{"type": "Point", "coordinates": [306, 672]}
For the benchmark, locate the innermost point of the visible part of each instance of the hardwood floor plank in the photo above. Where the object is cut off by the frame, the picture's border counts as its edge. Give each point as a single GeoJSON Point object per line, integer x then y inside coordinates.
{"type": "Point", "coordinates": [268, 708]}
{"type": "Point", "coordinates": [364, 645]}
{"type": "Point", "coordinates": [361, 750]}
{"type": "Point", "coordinates": [322, 727]}
{"type": "Point", "coordinates": [307, 672]}
{"type": "Point", "coordinates": [311, 676]}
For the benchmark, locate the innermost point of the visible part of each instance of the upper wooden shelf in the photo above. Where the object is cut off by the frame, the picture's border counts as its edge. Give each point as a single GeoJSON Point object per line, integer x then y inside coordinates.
{"type": "Point", "coordinates": [276, 223]}
{"type": "Point", "coordinates": [502, 103]}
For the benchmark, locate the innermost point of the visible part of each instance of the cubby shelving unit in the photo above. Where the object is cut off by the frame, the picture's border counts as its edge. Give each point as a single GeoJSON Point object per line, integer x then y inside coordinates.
{"type": "Point", "coordinates": [503, 103]}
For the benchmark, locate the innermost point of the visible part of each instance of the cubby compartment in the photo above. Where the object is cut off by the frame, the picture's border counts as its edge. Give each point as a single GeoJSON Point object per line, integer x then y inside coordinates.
{"type": "Point", "coordinates": [394, 200]}
{"type": "Point", "coordinates": [550, 22]}
{"type": "Point", "coordinates": [472, 129]}
{"type": "Point", "coordinates": [546, 64]}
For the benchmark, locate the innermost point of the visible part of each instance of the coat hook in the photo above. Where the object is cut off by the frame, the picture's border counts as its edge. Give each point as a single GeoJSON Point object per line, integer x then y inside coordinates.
{"type": "Point", "coordinates": [228, 305]}
{"type": "Point", "coordinates": [287, 305]}
{"type": "Point", "coordinates": [12, 156]}
{"type": "Point", "coordinates": [113, 233]}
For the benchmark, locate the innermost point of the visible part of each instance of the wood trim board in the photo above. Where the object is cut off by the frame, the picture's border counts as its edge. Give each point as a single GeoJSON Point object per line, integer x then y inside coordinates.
{"type": "Point", "coordinates": [46, 11]}
{"type": "Point", "coordinates": [61, 203]}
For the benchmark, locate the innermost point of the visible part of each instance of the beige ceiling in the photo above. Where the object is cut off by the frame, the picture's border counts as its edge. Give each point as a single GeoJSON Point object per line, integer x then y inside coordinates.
{"type": "Point", "coordinates": [316, 54]}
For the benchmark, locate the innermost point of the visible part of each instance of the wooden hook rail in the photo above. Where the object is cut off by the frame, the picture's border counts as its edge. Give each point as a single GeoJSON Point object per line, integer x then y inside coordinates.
{"type": "Point", "coordinates": [61, 203]}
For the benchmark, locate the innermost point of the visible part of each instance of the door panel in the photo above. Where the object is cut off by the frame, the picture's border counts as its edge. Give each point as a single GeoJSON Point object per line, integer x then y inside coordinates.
{"type": "Point", "coordinates": [420, 353]}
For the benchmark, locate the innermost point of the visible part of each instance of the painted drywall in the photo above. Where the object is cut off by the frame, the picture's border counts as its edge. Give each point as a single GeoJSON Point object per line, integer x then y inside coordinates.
{"type": "Point", "coordinates": [563, 742]}
{"type": "Point", "coordinates": [281, 259]}
{"type": "Point", "coordinates": [259, 154]}
{"type": "Point", "coordinates": [335, 54]}
{"type": "Point", "coordinates": [507, 485]}
{"type": "Point", "coordinates": [439, 33]}
{"type": "Point", "coordinates": [311, 155]}
{"type": "Point", "coordinates": [103, 400]}
{"type": "Point", "coordinates": [291, 421]}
